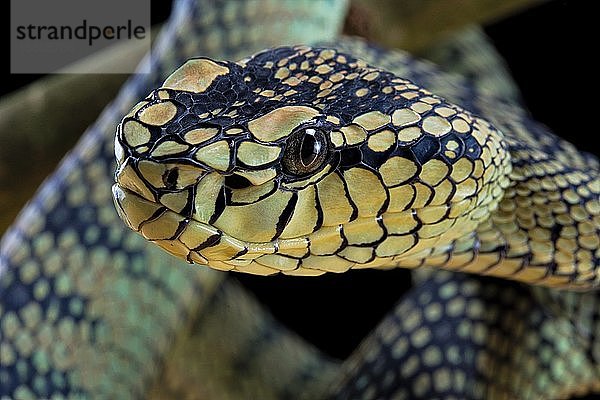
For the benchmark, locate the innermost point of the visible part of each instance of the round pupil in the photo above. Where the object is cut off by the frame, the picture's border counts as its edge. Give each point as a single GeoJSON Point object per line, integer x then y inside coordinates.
{"type": "Point", "coordinates": [310, 148]}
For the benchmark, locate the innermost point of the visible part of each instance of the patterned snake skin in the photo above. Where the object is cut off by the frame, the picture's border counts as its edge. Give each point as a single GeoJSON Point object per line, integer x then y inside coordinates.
{"type": "Point", "coordinates": [306, 160]}
{"type": "Point", "coordinates": [89, 310]}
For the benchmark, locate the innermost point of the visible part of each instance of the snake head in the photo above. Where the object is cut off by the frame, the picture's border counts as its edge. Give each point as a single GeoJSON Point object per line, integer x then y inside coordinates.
{"type": "Point", "coordinates": [302, 160]}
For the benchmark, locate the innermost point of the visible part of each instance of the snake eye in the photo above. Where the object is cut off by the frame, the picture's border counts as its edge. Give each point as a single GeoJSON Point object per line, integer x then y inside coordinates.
{"type": "Point", "coordinates": [306, 151]}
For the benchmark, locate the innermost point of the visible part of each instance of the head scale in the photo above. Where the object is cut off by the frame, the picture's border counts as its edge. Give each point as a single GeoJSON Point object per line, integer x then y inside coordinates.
{"type": "Point", "coordinates": [302, 160]}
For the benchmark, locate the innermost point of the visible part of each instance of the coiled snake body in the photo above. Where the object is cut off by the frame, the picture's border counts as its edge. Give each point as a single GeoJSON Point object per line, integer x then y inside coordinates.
{"type": "Point", "coordinates": [305, 160]}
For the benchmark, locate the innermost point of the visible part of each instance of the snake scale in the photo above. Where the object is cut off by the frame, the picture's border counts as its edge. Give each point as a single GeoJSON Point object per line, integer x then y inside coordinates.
{"type": "Point", "coordinates": [302, 160]}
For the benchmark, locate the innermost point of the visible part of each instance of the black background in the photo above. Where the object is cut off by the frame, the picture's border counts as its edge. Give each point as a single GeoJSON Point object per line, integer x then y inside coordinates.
{"type": "Point", "coordinates": [549, 50]}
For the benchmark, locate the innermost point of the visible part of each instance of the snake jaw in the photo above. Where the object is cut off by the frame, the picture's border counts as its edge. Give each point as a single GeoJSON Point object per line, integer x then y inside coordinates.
{"type": "Point", "coordinates": [182, 237]}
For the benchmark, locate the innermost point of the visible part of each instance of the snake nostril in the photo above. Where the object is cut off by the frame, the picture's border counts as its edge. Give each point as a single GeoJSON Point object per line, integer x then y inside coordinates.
{"type": "Point", "coordinates": [170, 178]}
{"type": "Point", "coordinates": [237, 182]}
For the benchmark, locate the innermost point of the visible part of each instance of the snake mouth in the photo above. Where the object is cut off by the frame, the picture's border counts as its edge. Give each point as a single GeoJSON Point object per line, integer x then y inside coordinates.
{"type": "Point", "coordinates": [188, 232]}
{"type": "Point", "coordinates": [192, 240]}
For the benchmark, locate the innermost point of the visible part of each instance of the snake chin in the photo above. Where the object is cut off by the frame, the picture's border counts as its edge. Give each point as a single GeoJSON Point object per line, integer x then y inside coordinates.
{"type": "Point", "coordinates": [178, 235]}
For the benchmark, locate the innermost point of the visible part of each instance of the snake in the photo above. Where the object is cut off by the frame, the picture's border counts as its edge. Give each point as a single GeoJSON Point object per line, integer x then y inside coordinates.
{"type": "Point", "coordinates": [302, 160]}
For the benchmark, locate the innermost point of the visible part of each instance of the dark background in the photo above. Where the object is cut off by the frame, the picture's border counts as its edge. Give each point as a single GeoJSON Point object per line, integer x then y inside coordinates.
{"type": "Point", "coordinates": [548, 49]}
